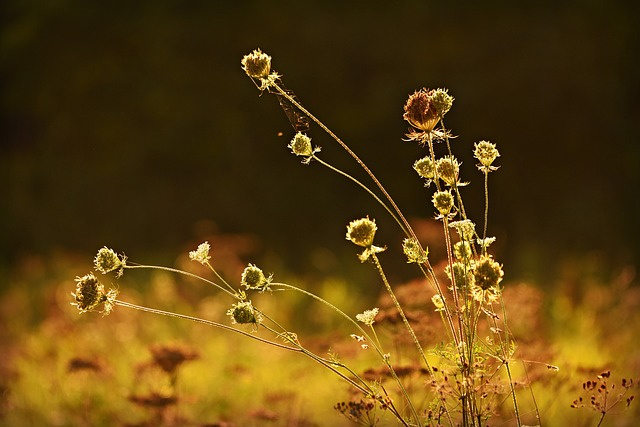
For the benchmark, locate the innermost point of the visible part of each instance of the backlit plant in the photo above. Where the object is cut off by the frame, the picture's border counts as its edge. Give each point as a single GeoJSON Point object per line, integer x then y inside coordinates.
{"type": "Point", "coordinates": [466, 379]}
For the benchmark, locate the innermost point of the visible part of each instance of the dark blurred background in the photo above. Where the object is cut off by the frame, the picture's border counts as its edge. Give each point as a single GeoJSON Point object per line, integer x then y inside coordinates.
{"type": "Point", "coordinates": [132, 125]}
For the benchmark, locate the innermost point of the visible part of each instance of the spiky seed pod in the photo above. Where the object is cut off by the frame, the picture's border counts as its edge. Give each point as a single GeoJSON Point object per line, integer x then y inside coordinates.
{"type": "Point", "coordinates": [414, 252]}
{"type": "Point", "coordinates": [244, 313]}
{"type": "Point", "coordinates": [424, 167]}
{"type": "Point", "coordinates": [486, 153]}
{"type": "Point", "coordinates": [448, 170]}
{"type": "Point", "coordinates": [487, 273]}
{"type": "Point", "coordinates": [89, 292]}
{"type": "Point", "coordinates": [462, 250]}
{"type": "Point", "coordinates": [362, 231]}
{"type": "Point", "coordinates": [443, 201]}
{"type": "Point", "coordinates": [254, 278]}
{"type": "Point", "coordinates": [107, 260]}
{"type": "Point", "coordinates": [257, 64]}
{"type": "Point", "coordinates": [441, 101]}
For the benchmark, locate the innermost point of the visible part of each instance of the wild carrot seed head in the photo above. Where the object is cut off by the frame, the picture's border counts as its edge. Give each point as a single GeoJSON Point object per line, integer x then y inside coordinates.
{"type": "Point", "coordinates": [257, 64]}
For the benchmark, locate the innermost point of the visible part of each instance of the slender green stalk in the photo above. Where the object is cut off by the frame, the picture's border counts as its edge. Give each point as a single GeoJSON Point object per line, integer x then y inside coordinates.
{"type": "Point", "coordinates": [184, 273]}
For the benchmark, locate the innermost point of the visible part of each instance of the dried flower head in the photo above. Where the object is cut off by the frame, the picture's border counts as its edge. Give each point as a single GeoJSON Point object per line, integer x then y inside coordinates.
{"type": "Point", "coordinates": [300, 145]}
{"type": "Point", "coordinates": [201, 254]}
{"type": "Point", "coordinates": [443, 202]}
{"type": "Point", "coordinates": [254, 278]}
{"type": "Point", "coordinates": [368, 316]}
{"type": "Point", "coordinates": [257, 64]}
{"type": "Point", "coordinates": [486, 153]}
{"type": "Point", "coordinates": [244, 313]}
{"type": "Point", "coordinates": [448, 170]}
{"type": "Point", "coordinates": [414, 252]}
{"type": "Point", "coordinates": [424, 167]}
{"type": "Point", "coordinates": [487, 273]}
{"type": "Point", "coordinates": [108, 260]}
{"type": "Point", "coordinates": [362, 231]}
{"type": "Point", "coordinates": [426, 107]}
{"type": "Point", "coordinates": [90, 294]}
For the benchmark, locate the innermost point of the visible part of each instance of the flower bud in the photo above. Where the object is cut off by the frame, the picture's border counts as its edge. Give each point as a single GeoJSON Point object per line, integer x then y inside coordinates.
{"type": "Point", "coordinates": [89, 292]}
{"type": "Point", "coordinates": [426, 107]}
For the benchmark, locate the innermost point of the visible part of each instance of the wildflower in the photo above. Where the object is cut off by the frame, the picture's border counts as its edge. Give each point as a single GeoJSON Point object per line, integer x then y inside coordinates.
{"type": "Point", "coordinates": [368, 316]}
{"type": "Point", "coordinates": [448, 170]}
{"type": "Point", "coordinates": [486, 153]}
{"type": "Point", "coordinates": [201, 254]}
{"type": "Point", "coordinates": [90, 293]}
{"type": "Point", "coordinates": [414, 252]}
{"type": "Point", "coordinates": [443, 202]}
{"type": "Point", "coordinates": [257, 64]}
{"type": "Point", "coordinates": [107, 260]}
{"type": "Point", "coordinates": [425, 167]}
{"type": "Point", "coordinates": [244, 313]}
{"type": "Point", "coordinates": [487, 273]}
{"type": "Point", "coordinates": [426, 107]}
{"type": "Point", "coordinates": [300, 145]}
{"type": "Point", "coordinates": [465, 228]}
{"type": "Point", "coordinates": [361, 232]}
{"type": "Point", "coordinates": [254, 278]}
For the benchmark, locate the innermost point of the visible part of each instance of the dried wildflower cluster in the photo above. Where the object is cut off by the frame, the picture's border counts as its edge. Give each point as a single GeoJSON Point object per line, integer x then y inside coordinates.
{"type": "Point", "coordinates": [90, 293]}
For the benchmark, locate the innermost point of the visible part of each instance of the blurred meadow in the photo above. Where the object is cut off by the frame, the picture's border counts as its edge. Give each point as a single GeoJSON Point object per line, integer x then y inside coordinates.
{"type": "Point", "coordinates": [132, 125]}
